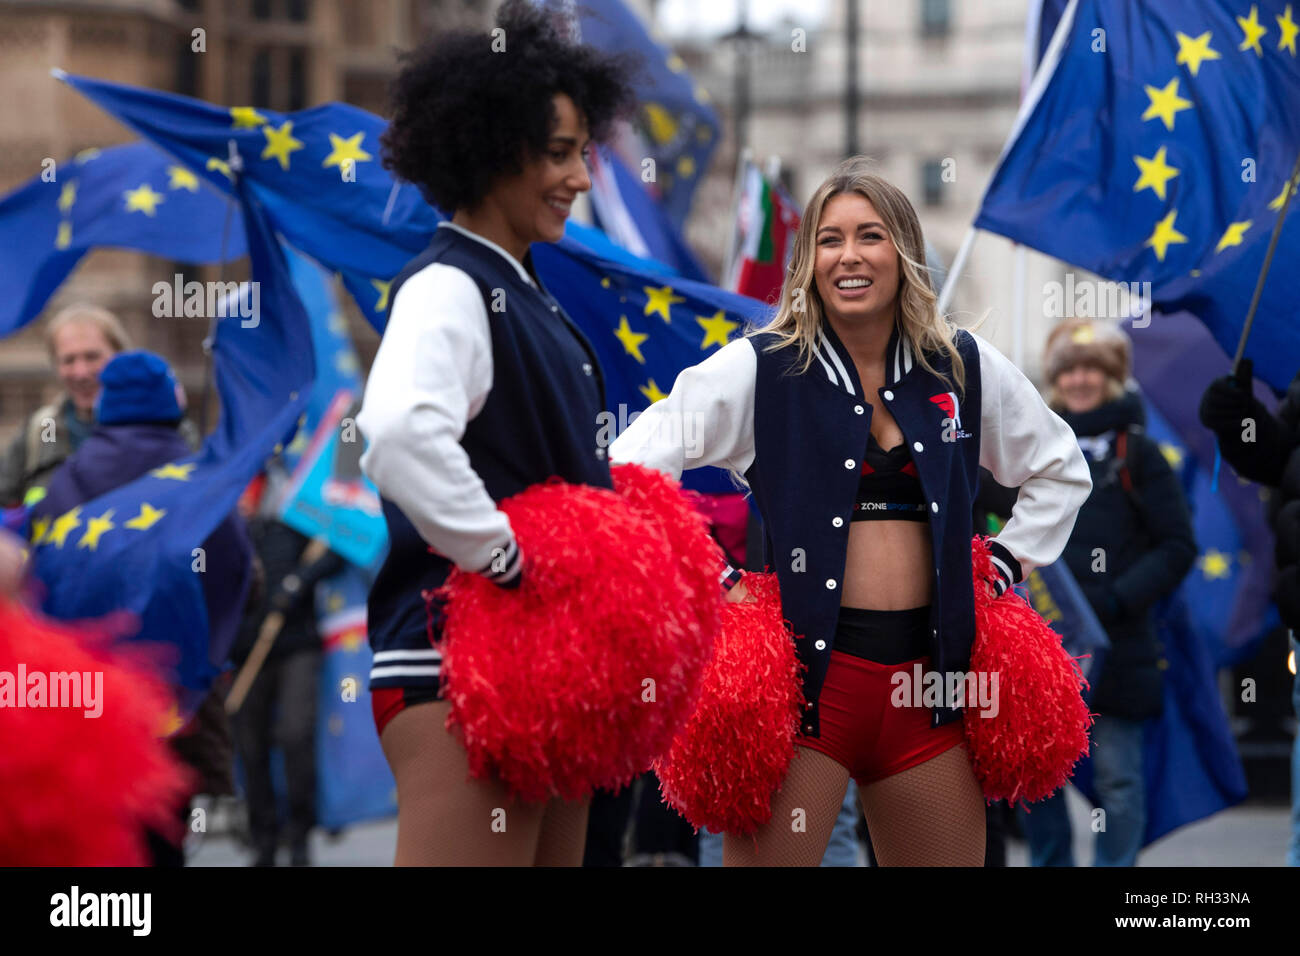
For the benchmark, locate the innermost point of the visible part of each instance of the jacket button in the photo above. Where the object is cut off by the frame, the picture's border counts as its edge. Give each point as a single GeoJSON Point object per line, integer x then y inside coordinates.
{"type": "Point", "coordinates": [830, 584]}
{"type": "Point", "coordinates": [807, 728]}
{"type": "Point", "coordinates": [586, 368]}
{"type": "Point", "coordinates": [849, 463]}
{"type": "Point", "coordinates": [858, 410]}
{"type": "Point", "coordinates": [889, 396]}
{"type": "Point", "coordinates": [555, 308]}
{"type": "Point", "coordinates": [918, 446]}
{"type": "Point", "coordinates": [934, 506]}
{"type": "Point", "coordinates": [837, 521]}
{"type": "Point", "coordinates": [600, 453]}
{"type": "Point", "coordinates": [820, 645]}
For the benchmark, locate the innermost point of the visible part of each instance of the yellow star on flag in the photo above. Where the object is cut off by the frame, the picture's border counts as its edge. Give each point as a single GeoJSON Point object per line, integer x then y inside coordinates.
{"type": "Point", "coordinates": [143, 199]}
{"type": "Point", "coordinates": [382, 288]}
{"type": "Point", "coordinates": [147, 518]}
{"type": "Point", "coordinates": [172, 470]}
{"type": "Point", "coordinates": [63, 238]}
{"type": "Point", "coordinates": [95, 528]}
{"type": "Point", "coordinates": [631, 340]}
{"type": "Point", "coordinates": [1281, 197]}
{"type": "Point", "coordinates": [171, 721]}
{"type": "Point", "coordinates": [221, 166]}
{"type": "Point", "coordinates": [1232, 236]}
{"type": "Point", "coordinates": [676, 63]}
{"type": "Point", "coordinates": [345, 149]}
{"type": "Point", "coordinates": [1196, 51]}
{"type": "Point", "coordinates": [280, 143]}
{"type": "Point", "coordinates": [1215, 564]}
{"type": "Point", "coordinates": [661, 300]}
{"type": "Point", "coordinates": [40, 527]}
{"type": "Point", "coordinates": [1165, 103]}
{"type": "Point", "coordinates": [716, 327]}
{"type": "Point", "coordinates": [62, 526]}
{"type": "Point", "coordinates": [1252, 31]}
{"type": "Point", "coordinates": [1289, 30]}
{"type": "Point", "coordinates": [1165, 235]}
{"type": "Point", "coordinates": [246, 117]}
{"type": "Point", "coordinates": [652, 392]}
{"type": "Point", "coordinates": [181, 178]}
{"type": "Point", "coordinates": [686, 167]}
{"type": "Point", "coordinates": [1173, 454]}
{"type": "Point", "coordinates": [1156, 173]}
{"type": "Point", "coordinates": [67, 196]}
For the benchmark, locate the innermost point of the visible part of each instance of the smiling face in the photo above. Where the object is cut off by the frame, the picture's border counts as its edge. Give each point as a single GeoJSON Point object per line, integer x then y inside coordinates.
{"type": "Point", "coordinates": [535, 202]}
{"type": "Point", "coordinates": [1081, 387]}
{"type": "Point", "coordinates": [81, 350]}
{"type": "Point", "coordinates": [856, 269]}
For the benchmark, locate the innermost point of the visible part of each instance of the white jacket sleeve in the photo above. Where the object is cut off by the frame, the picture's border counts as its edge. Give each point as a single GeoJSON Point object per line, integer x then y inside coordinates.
{"type": "Point", "coordinates": [431, 376]}
{"type": "Point", "coordinates": [707, 419]}
{"type": "Point", "coordinates": [1024, 443]}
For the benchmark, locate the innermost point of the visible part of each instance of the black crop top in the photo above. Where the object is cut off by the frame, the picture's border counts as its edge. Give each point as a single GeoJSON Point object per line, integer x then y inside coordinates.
{"type": "Point", "coordinates": [889, 489]}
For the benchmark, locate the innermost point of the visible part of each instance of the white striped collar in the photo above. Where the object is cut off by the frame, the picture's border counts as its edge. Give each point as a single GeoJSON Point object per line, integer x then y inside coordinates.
{"type": "Point", "coordinates": [898, 354]}
{"type": "Point", "coordinates": [523, 273]}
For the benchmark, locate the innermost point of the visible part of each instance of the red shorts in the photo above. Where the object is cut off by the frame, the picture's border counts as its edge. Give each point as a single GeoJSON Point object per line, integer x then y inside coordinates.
{"type": "Point", "coordinates": [863, 731]}
{"type": "Point", "coordinates": [387, 702]}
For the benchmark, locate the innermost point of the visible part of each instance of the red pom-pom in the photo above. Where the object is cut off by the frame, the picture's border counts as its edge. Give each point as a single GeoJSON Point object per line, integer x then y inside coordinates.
{"type": "Point", "coordinates": [1028, 749]}
{"type": "Point", "coordinates": [735, 750]}
{"type": "Point", "coordinates": [579, 678]}
{"type": "Point", "coordinates": [79, 790]}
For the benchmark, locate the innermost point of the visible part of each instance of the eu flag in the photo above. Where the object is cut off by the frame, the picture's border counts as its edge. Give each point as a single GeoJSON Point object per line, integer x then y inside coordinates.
{"type": "Point", "coordinates": [1157, 149]}
{"type": "Point", "coordinates": [678, 128]}
{"type": "Point", "coordinates": [138, 548]}
{"type": "Point", "coordinates": [132, 197]}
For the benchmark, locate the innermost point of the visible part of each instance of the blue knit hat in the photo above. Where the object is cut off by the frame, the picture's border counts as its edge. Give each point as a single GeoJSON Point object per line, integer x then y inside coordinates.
{"type": "Point", "coordinates": [137, 388]}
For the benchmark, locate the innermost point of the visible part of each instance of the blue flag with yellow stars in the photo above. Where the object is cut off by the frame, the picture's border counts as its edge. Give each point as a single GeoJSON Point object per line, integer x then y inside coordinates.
{"type": "Point", "coordinates": [139, 547]}
{"type": "Point", "coordinates": [645, 327]}
{"type": "Point", "coordinates": [133, 197]}
{"type": "Point", "coordinates": [677, 127]}
{"type": "Point", "coordinates": [315, 173]}
{"type": "Point", "coordinates": [1157, 150]}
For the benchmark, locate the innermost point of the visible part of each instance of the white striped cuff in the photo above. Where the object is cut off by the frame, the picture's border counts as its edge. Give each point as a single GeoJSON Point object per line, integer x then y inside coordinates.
{"type": "Point", "coordinates": [504, 570]}
{"type": "Point", "coordinates": [1007, 567]}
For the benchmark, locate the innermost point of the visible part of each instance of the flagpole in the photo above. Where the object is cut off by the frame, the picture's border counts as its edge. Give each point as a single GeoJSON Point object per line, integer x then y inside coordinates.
{"type": "Point", "coordinates": [958, 263]}
{"type": "Point", "coordinates": [236, 165]}
{"type": "Point", "coordinates": [1291, 183]}
{"type": "Point", "coordinates": [728, 260]}
{"type": "Point", "coordinates": [1046, 68]}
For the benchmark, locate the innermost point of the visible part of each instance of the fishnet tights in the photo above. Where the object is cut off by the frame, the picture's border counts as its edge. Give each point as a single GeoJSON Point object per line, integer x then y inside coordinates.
{"type": "Point", "coordinates": [929, 815]}
{"type": "Point", "coordinates": [446, 819]}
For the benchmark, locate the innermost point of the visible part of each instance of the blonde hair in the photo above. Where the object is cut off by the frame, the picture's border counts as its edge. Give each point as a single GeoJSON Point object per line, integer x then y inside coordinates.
{"type": "Point", "coordinates": [916, 312]}
{"type": "Point", "coordinates": [85, 313]}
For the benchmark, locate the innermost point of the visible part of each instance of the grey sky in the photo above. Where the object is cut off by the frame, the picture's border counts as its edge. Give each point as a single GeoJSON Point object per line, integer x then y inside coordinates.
{"type": "Point", "coordinates": [712, 17]}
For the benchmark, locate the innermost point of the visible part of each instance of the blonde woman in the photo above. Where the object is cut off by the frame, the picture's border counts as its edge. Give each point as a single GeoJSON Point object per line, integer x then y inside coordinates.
{"type": "Point", "coordinates": [859, 419]}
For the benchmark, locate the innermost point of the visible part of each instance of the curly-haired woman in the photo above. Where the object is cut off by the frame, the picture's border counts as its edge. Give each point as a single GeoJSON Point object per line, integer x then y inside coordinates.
{"type": "Point", "coordinates": [481, 387]}
{"type": "Point", "coordinates": [860, 419]}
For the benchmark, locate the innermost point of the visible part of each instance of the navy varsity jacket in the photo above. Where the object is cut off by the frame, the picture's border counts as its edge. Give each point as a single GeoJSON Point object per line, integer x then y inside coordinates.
{"type": "Point", "coordinates": [481, 387]}
{"type": "Point", "coordinates": [798, 440]}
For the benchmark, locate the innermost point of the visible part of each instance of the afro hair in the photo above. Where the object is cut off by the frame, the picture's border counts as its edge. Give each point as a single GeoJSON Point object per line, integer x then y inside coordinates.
{"type": "Point", "coordinates": [471, 107]}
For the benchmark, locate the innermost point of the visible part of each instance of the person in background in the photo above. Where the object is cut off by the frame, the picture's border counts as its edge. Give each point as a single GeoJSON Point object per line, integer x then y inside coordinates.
{"type": "Point", "coordinates": [281, 704]}
{"type": "Point", "coordinates": [1266, 449]}
{"type": "Point", "coordinates": [1131, 546]}
{"type": "Point", "coordinates": [80, 340]}
{"type": "Point", "coordinates": [138, 415]}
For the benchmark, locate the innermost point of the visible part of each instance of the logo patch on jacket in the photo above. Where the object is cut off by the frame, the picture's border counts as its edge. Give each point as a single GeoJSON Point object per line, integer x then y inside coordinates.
{"type": "Point", "coordinates": [951, 407]}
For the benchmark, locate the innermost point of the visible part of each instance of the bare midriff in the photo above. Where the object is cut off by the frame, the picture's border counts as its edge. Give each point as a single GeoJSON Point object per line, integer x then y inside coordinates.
{"type": "Point", "coordinates": [890, 564]}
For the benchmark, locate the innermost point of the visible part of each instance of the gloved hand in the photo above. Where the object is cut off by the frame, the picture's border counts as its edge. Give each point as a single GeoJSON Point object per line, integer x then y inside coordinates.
{"type": "Point", "coordinates": [1259, 454]}
{"type": "Point", "coordinates": [1228, 400]}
